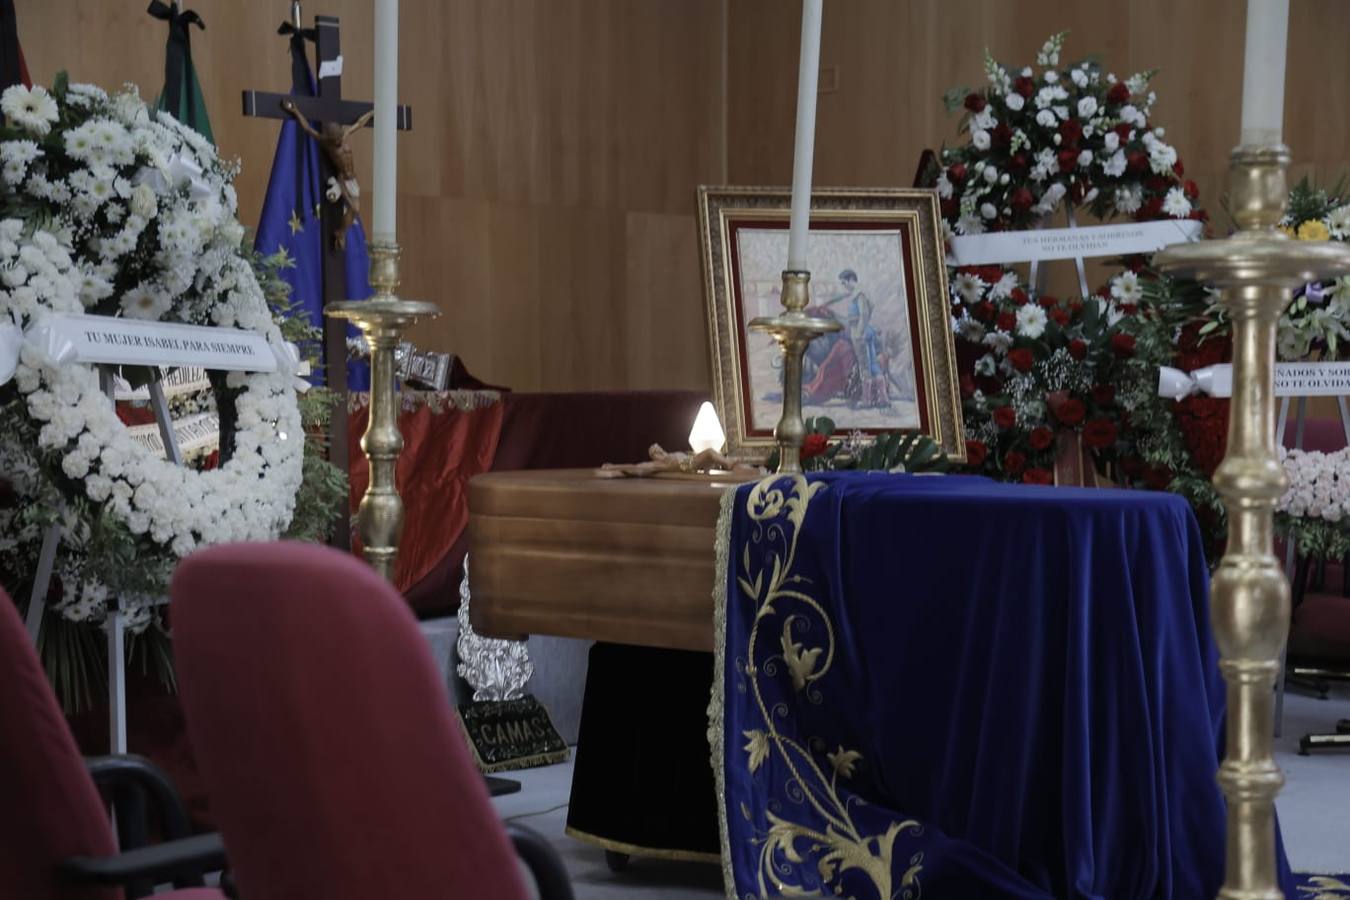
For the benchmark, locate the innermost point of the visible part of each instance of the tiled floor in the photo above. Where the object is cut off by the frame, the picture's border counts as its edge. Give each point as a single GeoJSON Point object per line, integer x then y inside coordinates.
{"type": "Point", "coordinates": [1314, 814]}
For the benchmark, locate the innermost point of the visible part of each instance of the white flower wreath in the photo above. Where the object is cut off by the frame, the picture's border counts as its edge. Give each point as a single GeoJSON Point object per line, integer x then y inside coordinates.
{"type": "Point", "coordinates": [113, 210]}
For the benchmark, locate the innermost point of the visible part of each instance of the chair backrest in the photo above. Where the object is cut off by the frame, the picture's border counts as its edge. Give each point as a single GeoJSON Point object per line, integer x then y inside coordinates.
{"type": "Point", "coordinates": [49, 807]}
{"type": "Point", "coordinates": [334, 764]}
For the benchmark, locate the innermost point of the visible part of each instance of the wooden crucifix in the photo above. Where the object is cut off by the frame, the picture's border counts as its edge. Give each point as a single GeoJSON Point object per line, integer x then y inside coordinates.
{"type": "Point", "coordinates": [329, 119]}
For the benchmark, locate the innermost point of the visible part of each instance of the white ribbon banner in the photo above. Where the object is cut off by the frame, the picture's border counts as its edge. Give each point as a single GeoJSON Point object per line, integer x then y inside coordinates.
{"type": "Point", "coordinates": [1292, 379]}
{"type": "Point", "coordinates": [195, 434]}
{"type": "Point", "coordinates": [1087, 242]}
{"type": "Point", "coordinates": [104, 339]}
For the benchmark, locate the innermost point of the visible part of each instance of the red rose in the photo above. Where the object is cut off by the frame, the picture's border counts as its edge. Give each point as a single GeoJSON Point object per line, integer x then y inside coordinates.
{"type": "Point", "coordinates": [1021, 359]}
{"type": "Point", "coordinates": [1019, 296]}
{"type": "Point", "coordinates": [1022, 200]}
{"type": "Point", "coordinates": [967, 385]}
{"type": "Point", "coordinates": [1024, 86]}
{"type": "Point", "coordinates": [1151, 209]}
{"type": "Point", "coordinates": [1070, 132]}
{"type": "Point", "coordinates": [984, 311]}
{"type": "Point", "coordinates": [814, 445]}
{"type": "Point", "coordinates": [1129, 309]}
{"type": "Point", "coordinates": [957, 173]}
{"type": "Point", "coordinates": [1191, 190]}
{"type": "Point", "coordinates": [1123, 345]}
{"type": "Point", "coordinates": [1068, 160]}
{"type": "Point", "coordinates": [989, 274]}
{"type": "Point", "coordinates": [1178, 168]}
{"type": "Point", "coordinates": [1157, 478]}
{"type": "Point", "coordinates": [975, 103]}
{"type": "Point", "coordinates": [951, 208]}
{"type": "Point", "coordinates": [1005, 417]}
{"type": "Point", "coordinates": [1136, 161]}
{"type": "Point", "coordinates": [1132, 466]}
{"type": "Point", "coordinates": [1078, 348]}
{"type": "Point", "coordinates": [1060, 316]}
{"type": "Point", "coordinates": [1099, 433]}
{"type": "Point", "coordinates": [976, 453]}
{"type": "Point", "coordinates": [1005, 321]}
{"type": "Point", "coordinates": [1118, 94]}
{"type": "Point", "coordinates": [1123, 131]}
{"type": "Point", "coordinates": [1038, 476]}
{"type": "Point", "coordinates": [1104, 394]}
{"type": "Point", "coordinates": [1069, 411]}
{"type": "Point", "coordinates": [1001, 135]}
{"type": "Point", "coordinates": [1041, 437]}
{"type": "Point", "coordinates": [1019, 163]}
{"type": "Point", "coordinates": [1048, 302]}
{"type": "Point", "coordinates": [1014, 462]}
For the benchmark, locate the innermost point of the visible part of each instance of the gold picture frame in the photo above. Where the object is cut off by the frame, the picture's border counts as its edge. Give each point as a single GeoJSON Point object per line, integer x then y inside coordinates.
{"type": "Point", "coordinates": [891, 367]}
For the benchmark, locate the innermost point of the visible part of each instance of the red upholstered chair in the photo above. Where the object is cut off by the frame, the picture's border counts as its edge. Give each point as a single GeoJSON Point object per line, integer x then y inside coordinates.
{"type": "Point", "coordinates": [333, 761]}
{"type": "Point", "coordinates": [55, 840]}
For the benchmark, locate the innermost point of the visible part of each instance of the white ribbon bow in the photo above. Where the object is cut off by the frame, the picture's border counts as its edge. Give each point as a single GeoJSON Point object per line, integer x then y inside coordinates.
{"type": "Point", "coordinates": [1216, 381]}
{"type": "Point", "coordinates": [52, 345]}
{"type": "Point", "coordinates": [290, 363]}
{"type": "Point", "coordinates": [179, 171]}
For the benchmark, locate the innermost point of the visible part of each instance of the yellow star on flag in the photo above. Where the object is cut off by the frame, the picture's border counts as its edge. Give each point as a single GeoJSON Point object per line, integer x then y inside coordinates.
{"type": "Point", "coordinates": [295, 223]}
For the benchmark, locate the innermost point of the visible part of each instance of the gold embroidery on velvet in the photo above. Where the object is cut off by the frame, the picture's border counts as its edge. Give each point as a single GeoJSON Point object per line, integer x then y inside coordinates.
{"type": "Point", "coordinates": [774, 589]}
{"type": "Point", "coordinates": [1324, 887]}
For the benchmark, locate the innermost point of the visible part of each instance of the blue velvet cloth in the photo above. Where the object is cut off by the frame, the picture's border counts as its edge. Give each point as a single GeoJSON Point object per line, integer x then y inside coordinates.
{"type": "Point", "coordinates": [951, 687]}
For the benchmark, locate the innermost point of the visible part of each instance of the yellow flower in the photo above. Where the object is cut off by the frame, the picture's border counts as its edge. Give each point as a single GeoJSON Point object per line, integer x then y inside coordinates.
{"type": "Point", "coordinates": [1286, 229]}
{"type": "Point", "coordinates": [1313, 230]}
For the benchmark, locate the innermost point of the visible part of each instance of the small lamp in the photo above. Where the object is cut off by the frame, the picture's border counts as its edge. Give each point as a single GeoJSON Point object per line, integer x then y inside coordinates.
{"type": "Point", "coordinates": [707, 432]}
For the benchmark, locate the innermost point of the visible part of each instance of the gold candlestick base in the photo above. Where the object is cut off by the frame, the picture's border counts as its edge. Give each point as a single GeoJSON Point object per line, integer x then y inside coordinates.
{"type": "Point", "coordinates": [1255, 272]}
{"type": "Point", "coordinates": [793, 329]}
{"type": "Point", "coordinates": [382, 319]}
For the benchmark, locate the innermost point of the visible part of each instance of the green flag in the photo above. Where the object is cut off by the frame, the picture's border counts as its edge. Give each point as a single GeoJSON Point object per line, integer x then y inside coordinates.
{"type": "Point", "coordinates": [182, 94]}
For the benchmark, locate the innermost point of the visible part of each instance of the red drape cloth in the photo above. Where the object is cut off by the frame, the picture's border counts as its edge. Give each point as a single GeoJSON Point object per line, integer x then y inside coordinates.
{"type": "Point", "coordinates": [448, 437]}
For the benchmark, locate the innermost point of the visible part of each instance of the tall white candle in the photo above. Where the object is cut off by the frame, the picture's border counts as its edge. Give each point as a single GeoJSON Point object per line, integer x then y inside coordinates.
{"type": "Point", "coordinates": [1263, 71]}
{"type": "Point", "coordinates": [386, 111]}
{"type": "Point", "coordinates": [807, 73]}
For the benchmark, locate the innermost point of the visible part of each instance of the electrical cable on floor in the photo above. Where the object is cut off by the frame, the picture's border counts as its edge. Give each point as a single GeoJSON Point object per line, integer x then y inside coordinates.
{"type": "Point", "coordinates": [542, 812]}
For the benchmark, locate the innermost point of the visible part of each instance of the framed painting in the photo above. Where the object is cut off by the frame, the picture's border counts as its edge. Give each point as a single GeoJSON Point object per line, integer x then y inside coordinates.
{"type": "Point", "coordinates": [877, 263]}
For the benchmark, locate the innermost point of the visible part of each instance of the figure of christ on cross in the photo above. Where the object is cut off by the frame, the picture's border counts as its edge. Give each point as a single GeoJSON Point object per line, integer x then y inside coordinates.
{"type": "Point", "coordinates": [330, 120]}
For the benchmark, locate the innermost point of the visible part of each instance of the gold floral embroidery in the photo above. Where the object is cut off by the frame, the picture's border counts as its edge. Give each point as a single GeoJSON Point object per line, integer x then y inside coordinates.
{"type": "Point", "coordinates": [1324, 887]}
{"type": "Point", "coordinates": [777, 508]}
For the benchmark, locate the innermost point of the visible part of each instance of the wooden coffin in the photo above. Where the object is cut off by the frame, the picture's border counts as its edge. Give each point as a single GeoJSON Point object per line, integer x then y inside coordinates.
{"type": "Point", "coordinates": [565, 553]}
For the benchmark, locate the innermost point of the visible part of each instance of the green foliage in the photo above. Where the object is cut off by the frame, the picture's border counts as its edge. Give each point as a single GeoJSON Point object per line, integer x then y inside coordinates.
{"type": "Point", "coordinates": [893, 451]}
{"type": "Point", "coordinates": [1307, 201]}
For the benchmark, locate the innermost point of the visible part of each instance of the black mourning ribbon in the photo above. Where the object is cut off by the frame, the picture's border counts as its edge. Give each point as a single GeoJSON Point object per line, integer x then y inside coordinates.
{"type": "Point", "coordinates": [177, 53]}
{"type": "Point", "coordinates": [11, 72]}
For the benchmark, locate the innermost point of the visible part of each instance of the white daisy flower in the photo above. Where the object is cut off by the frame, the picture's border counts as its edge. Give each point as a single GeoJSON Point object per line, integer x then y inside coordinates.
{"type": "Point", "coordinates": [1031, 320]}
{"type": "Point", "coordinates": [968, 287]}
{"type": "Point", "coordinates": [1003, 288]}
{"type": "Point", "coordinates": [1176, 205]}
{"type": "Point", "coordinates": [1338, 222]}
{"type": "Point", "coordinates": [32, 109]}
{"type": "Point", "coordinates": [1126, 288]}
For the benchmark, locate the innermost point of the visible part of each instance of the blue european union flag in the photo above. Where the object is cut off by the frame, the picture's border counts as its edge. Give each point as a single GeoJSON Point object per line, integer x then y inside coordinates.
{"type": "Point", "coordinates": [291, 222]}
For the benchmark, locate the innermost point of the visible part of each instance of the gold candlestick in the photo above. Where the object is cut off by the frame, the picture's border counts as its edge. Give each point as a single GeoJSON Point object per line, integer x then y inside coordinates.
{"type": "Point", "coordinates": [1255, 271]}
{"type": "Point", "coordinates": [382, 318]}
{"type": "Point", "coordinates": [793, 329]}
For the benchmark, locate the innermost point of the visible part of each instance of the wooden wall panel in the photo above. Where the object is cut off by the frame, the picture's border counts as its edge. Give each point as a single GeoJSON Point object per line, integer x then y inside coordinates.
{"type": "Point", "coordinates": [546, 195]}
{"type": "Point", "coordinates": [547, 191]}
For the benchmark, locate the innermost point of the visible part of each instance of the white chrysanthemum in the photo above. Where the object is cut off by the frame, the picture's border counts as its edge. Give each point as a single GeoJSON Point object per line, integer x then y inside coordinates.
{"type": "Point", "coordinates": [971, 329]}
{"type": "Point", "coordinates": [1338, 222]}
{"type": "Point", "coordinates": [1003, 288]}
{"type": "Point", "coordinates": [1087, 107]}
{"type": "Point", "coordinates": [1161, 158]}
{"type": "Point", "coordinates": [1126, 288]}
{"type": "Point", "coordinates": [1129, 199]}
{"type": "Point", "coordinates": [1031, 321]}
{"type": "Point", "coordinates": [144, 302]}
{"type": "Point", "coordinates": [31, 109]}
{"type": "Point", "coordinates": [999, 341]}
{"type": "Point", "coordinates": [970, 224]}
{"type": "Point", "coordinates": [1046, 119]}
{"type": "Point", "coordinates": [1014, 101]}
{"type": "Point", "coordinates": [1176, 205]}
{"type": "Point", "coordinates": [968, 287]}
